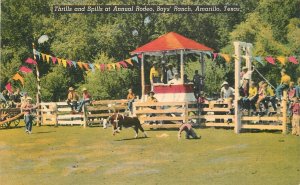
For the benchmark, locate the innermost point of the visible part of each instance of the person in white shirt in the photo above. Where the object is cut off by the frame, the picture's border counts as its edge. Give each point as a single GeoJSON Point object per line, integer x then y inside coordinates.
{"type": "Point", "coordinates": [176, 80]}
{"type": "Point", "coordinates": [227, 94]}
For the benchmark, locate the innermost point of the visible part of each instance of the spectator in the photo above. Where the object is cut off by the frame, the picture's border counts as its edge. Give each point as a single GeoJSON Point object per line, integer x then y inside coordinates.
{"type": "Point", "coordinates": [262, 93]}
{"type": "Point", "coordinates": [270, 98]}
{"type": "Point", "coordinates": [130, 98]}
{"type": "Point", "coordinates": [253, 96]}
{"type": "Point", "coordinates": [155, 74]}
{"type": "Point", "coordinates": [170, 72]}
{"type": "Point", "coordinates": [198, 84]}
{"type": "Point", "coordinates": [295, 109]}
{"type": "Point", "coordinates": [227, 93]}
{"type": "Point", "coordinates": [189, 132]}
{"type": "Point", "coordinates": [244, 93]}
{"type": "Point", "coordinates": [298, 88]}
{"type": "Point", "coordinates": [284, 83]}
{"type": "Point", "coordinates": [185, 79]}
{"type": "Point", "coordinates": [176, 80]}
{"type": "Point", "coordinates": [72, 99]}
{"type": "Point", "coordinates": [291, 92]}
{"type": "Point", "coordinates": [27, 108]}
{"type": "Point", "coordinates": [86, 99]}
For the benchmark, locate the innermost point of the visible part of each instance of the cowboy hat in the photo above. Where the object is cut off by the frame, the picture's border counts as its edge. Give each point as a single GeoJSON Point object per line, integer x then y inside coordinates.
{"type": "Point", "coordinates": [84, 89]}
{"type": "Point", "coordinates": [224, 83]}
{"type": "Point", "coordinates": [28, 98]}
{"type": "Point", "coordinates": [71, 89]}
{"type": "Point", "coordinates": [244, 68]}
{"type": "Point", "coordinates": [151, 92]}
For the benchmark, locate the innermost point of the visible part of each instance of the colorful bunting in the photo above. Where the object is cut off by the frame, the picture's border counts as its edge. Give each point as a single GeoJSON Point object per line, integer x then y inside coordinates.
{"type": "Point", "coordinates": [17, 76]}
{"type": "Point", "coordinates": [92, 66]}
{"type": "Point", "coordinates": [293, 60]}
{"type": "Point", "coordinates": [102, 67]}
{"type": "Point", "coordinates": [43, 56]}
{"type": "Point", "coordinates": [54, 59]}
{"type": "Point", "coordinates": [25, 69]}
{"type": "Point", "coordinates": [226, 57]}
{"type": "Point", "coordinates": [30, 61]}
{"type": "Point", "coordinates": [281, 59]}
{"type": "Point", "coordinates": [48, 58]}
{"type": "Point", "coordinates": [215, 55]}
{"type": "Point", "coordinates": [80, 64]}
{"type": "Point", "coordinates": [69, 62]}
{"type": "Point", "coordinates": [135, 58]}
{"type": "Point", "coordinates": [97, 66]}
{"type": "Point", "coordinates": [64, 62]}
{"type": "Point", "coordinates": [124, 64]}
{"type": "Point", "coordinates": [74, 64]}
{"type": "Point", "coordinates": [271, 60]}
{"type": "Point", "coordinates": [86, 66]}
{"type": "Point", "coordinates": [129, 61]}
{"type": "Point", "coordinates": [59, 61]}
{"type": "Point", "coordinates": [259, 60]}
{"type": "Point", "coordinates": [108, 66]}
{"type": "Point", "coordinates": [9, 87]}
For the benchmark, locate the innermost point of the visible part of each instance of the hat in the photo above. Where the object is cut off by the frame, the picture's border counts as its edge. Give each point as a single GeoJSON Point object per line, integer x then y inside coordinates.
{"type": "Point", "coordinates": [129, 89]}
{"type": "Point", "coordinates": [152, 92]}
{"type": "Point", "coordinates": [170, 65]}
{"type": "Point", "coordinates": [283, 70]}
{"type": "Point", "coordinates": [244, 68]}
{"type": "Point", "coordinates": [84, 89]}
{"type": "Point", "coordinates": [71, 89]}
{"type": "Point", "coordinates": [224, 83]}
{"type": "Point", "coordinates": [28, 98]}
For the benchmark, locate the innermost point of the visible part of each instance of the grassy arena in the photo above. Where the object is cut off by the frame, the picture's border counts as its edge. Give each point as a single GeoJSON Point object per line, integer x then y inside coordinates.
{"type": "Point", "coordinates": [74, 155]}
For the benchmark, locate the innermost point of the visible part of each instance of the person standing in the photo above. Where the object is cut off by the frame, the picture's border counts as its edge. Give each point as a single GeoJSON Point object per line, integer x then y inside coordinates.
{"type": "Point", "coordinates": [130, 98]}
{"type": "Point", "coordinates": [198, 84]}
{"type": "Point", "coordinates": [27, 108]}
{"type": "Point", "coordinates": [295, 109]}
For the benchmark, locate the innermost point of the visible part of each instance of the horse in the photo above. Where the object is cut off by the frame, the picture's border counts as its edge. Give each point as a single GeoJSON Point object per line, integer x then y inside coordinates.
{"type": "Point", "coordinates": [118, 121]}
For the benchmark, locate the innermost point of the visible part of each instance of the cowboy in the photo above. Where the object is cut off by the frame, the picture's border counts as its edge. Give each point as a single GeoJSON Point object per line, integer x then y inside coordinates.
{"type": "Point", "coordinates": [189, 132]}
{"type": "Point", "coordinates": [86, 99]}
{"type": "Point", "coordinates": [227, 93]}
{"type": "Point", "coordinates": [72, 99]}
{"type": "Point", "coordinates": [284, 83]}
{"type": "Point", "coordinates": [130, 98]}
{"type": "Point", "coordinates": [27, 108]}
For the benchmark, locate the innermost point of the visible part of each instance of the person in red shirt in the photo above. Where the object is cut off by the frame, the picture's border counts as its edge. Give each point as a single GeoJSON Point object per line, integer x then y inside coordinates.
{"type": "Point", "coordinates": [295, 108]}
{"type": "Point", "coordinates": [189, 132]}
{"type": "Point", "coordinates": [27, 107]}
{"type": "Point", "coordinates": [86, 99]}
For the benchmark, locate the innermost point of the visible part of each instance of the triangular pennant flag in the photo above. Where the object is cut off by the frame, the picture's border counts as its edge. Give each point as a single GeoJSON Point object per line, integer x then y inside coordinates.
{"type": "Point", "coordinates": [208, 53]}
{"type": "Point", "coordinates": [281, 59]}
{"type": "Point", "coordinates": [86, 66]}
{"type": "Point", "coordinates": [113, 66]}
{"type": "Point", "coordinates": [69, 63]}
{"type": "Point", "coordinates": [37, 53]}
{"type": "Point", "coordinates": [226, 57]}
{"type": "Point", "coordinates": [129, 61]}
{"type": "Point", "coordinates": [48, 58]}
{"type": "Point", "coordinates": [108, 66]}
{"type": "Point", "coordinates": [215, 55]}
{"type": "Point", "coordinates": [64, 62]}
{"type": "Point", "coordinates": [9, 87]}
{"type": "Point", "coordinates": [135, 58]}
{"type": "Point", "coordinates": [54, 59]}
{"type": "Point", "coordinates": [92, 66]}
{"type": "Point", "coordinates": [79, 64]}
{"type": "Point", "coordinates": [59, 61]}
{"type": "Point", "coordinates": [124, 64]}
{"type": "Point", "coordinates": [293, 60]}
{"type": "Point", "coordinates": [97, 66]}
{"type": "Point", "coordinates": [102, 67]}
{"type": "Point", "coordinates": [259, 60]}
{"type": "Point", "coordinates": [43, 56]}
{"type": "Point", "coordinates": [74, 64]}
{"type": "Point", "coordinates": [270, 60]}
{"type": "Point", "coordinates": [118, 65]}
{"type": "Point", "coordinates": [17, 76]}
{"type": "Point", "coordinates": [25, 69]}
{"type": "Point", "coordinates": [30, 61]}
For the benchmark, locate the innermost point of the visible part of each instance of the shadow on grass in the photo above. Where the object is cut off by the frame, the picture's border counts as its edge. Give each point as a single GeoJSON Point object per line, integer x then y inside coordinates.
{"type": "Point", "coordinates": [129, 139]}
{"type": "Point", "coordinates": [44, 132]}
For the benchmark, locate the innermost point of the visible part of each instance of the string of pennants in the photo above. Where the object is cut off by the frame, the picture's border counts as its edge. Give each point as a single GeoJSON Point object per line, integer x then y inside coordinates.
{"type": "Point", "coordinates": [86, 66]}
{"type": "Point", "coordinates": [269, 59]}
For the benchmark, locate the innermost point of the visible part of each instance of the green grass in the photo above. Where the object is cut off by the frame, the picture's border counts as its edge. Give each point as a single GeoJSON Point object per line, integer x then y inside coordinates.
{"type": "Point", "coordinates": [74, 155]}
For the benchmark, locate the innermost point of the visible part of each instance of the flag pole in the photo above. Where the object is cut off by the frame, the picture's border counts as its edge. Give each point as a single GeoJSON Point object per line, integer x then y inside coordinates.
{"type": "Point", "coordinates": [38, 95]}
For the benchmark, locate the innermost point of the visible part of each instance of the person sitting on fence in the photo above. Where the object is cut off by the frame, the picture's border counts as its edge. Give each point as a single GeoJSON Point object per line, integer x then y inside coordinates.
{"type": "Point", "coordinates": [252, 98]}
{"type": "Point", "coordinates": [72, 99]}
{"type": "Point", "coordinates": [295, 109]}
{"type": "Point", "coordinates": [284, 84]}
{"type": "Point", "coordinates": [298, 88]}
{"type": "Point", "coordinates": [86, 99]}
{"type": "Point", "coordinates": [27, 108]}
{"type": "Point", "coordinates": [262, 94]}
{"type": "Point", "coordinates": [189, 131]}
{"type": "Point", "coordinates": [151, 99]}
{"type": "Point", "coordinates": [244, 93]}
{"type": "Point", "coordinates": [227, 94]}
{"type": "Point", "coordinates": [270, 97]}
{"type": "Point", "coordinates": [176, 80]}
{"type": "Point", "coordinates": [130, 98]}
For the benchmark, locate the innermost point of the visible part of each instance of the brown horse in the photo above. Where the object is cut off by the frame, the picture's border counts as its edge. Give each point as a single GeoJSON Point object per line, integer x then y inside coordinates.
{"type": "Point", "coordinates": [118, 121]}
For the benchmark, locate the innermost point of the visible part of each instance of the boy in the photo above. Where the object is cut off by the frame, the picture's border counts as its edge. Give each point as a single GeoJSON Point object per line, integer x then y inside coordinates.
{"type": "Point", "coordinates": [295, 108]}
{"type": "Point", "coordinates": [284, 83]}
{"type": "Point", "coordinates": [27, 108]}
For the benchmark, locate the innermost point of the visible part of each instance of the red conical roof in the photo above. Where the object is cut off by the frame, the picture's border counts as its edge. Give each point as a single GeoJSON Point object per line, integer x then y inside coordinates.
{"type": "Point", "coordinates": [171, 41]}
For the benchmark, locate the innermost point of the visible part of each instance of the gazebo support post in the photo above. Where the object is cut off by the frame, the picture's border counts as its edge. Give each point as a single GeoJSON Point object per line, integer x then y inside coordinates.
{"type": "Point", "coordinates": [237, 63]}
{"type": "Point", "coordinates": [143, 78]}
{"type": "Point", "coordinates": [181, 66]}
{"type": "Point", "coordinates": [202, 64]}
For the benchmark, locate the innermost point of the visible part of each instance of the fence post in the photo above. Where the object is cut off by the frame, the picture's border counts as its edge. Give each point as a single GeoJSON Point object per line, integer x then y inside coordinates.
{"type": "Point", "coordinates": [186, 112]}
{"type": "Point", "coordinates": [84, 116]}
{"type": "Point", "coordinates": [284, 112]}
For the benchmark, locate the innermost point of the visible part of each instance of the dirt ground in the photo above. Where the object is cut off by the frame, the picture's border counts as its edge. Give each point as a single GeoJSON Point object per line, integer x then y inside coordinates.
{"type": "Point", "coordinates": [76, 155]}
